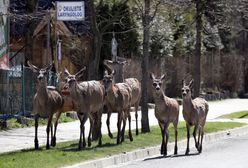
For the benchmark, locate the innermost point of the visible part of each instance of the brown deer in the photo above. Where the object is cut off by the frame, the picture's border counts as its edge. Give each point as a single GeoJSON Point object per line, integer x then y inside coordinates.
{"type": "Point", "coordinates": [88, 98]}
{"type": "Point", "coordinates": [46, 102]}
{"type": "Point", "coordinates": [132, 82]}
{"type": "Point", "coordinates": [166, 112]}
{"type": "Point", "coordinates": [194, 113]}
{"type": "Point", "coordinates": [118, 98]}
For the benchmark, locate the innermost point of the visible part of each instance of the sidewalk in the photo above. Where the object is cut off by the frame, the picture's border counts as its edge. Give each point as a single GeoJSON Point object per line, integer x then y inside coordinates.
{"type": "Point", "coordinates": [22, 138]}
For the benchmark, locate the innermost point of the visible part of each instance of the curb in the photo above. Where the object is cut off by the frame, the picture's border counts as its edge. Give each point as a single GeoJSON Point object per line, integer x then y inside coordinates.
{"type": "Point", "coordinates": [151, 151]}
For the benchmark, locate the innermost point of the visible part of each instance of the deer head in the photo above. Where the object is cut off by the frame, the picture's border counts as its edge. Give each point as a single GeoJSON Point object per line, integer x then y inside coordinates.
{"type": "Point", "coordinates": [186, 90]}
{"type": "Point", "coordinates": [72, 79]}
{"type": "Point", "coordinates": [108, 80]}
{"type": "Point", "coordinates": [157, 82]}
{"type": "Point", "coordinates": [41, 73]}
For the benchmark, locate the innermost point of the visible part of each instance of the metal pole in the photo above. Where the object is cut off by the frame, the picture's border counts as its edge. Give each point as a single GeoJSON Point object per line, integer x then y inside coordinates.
{"type": "Point", "coordinates": [23, 89]}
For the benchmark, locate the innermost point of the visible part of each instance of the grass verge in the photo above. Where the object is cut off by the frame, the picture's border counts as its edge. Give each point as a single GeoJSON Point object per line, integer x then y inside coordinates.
{"type": "Point", "coordinates": [13, 123]}
{"type": "Point", "coordinates": [235, 115]}
{"type": "Point", "coordinates": [66, 153]}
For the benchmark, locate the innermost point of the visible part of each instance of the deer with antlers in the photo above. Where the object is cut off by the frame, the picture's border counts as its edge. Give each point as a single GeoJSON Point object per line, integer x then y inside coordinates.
{"type": "Point", "coordinates": [46, 102]}
{"type": "Point", "coordinates": [118, 98]}
{"type": "Point", "coordinates": [166, 112]}
{"type": "Point", "coordinates": [194, 113]}
{"type": "Point", "coordinates": [88, 98]}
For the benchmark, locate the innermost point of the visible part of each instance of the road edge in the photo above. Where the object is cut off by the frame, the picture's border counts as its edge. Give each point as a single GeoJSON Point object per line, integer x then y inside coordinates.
{"type": "Point", "coordinates": [151, 151]}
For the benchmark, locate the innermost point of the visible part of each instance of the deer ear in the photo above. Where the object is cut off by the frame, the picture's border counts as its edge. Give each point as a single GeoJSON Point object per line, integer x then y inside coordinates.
{"type": "Point", "coordinates": [113, 73]}
{"type": "Point", "coordinates": [66, 72]}
{"type": "Point", "coordinates": [191, 83]}
{"type": "Point", "coordinates": [105, 72]}
{"type": "Point", "coordinates": [152, 76]}
{"type": "Point", "coordinates": [32, 67]}
{"type": "Point", "coordinates": [80, 73]}
{"type": "Point", "coordinates": [163, 77]}
{"type": "Point", "coordinates": [183, 83]}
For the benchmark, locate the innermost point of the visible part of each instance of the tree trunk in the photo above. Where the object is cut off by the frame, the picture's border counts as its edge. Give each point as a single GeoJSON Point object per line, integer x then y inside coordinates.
{"type": "Point", "coordinates": [97, 44]}
{"type": "Point", "coordinates": [31, 8]}
{"type": "Point", "coordinates": [144, 100]}
{"type": "Point", "coordinates": [197, 60]}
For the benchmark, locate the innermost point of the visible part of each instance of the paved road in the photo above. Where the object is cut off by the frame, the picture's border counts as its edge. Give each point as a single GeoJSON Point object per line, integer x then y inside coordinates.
{"type": "Point", "coordinates": [226, 153]}
{"type": "Point", "coordinates": [24, 138]}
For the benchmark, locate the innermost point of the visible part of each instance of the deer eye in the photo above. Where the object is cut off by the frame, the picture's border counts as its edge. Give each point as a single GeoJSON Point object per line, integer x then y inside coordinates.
{"type": "Point", "coordinates": [154, 84]}
{"type": "Point", "coordinates": [160, 83]}
{"type": "Point", "coordinates": [187, 90]}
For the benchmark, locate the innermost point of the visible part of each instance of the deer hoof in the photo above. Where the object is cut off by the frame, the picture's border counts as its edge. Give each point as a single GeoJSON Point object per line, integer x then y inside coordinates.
{"type": "Point", "coordinates": [47, 146]}
{"type": "Point", "coordinates": [200, 149]}
{"type": "Point", "coordinates": [187, 152]}
{"type": "Point", "coordinates": [137, 132]}
{"type": "Point", "coordinates": [175, 151]}
{"type": "Point", "coordinates": [36, 144]}
{"type": "Point", "coordinates": [89, 144]}
{"type": "Point", "coordinates": [111, 135]}
{"type": "Point", "coordinates": [53, 142]}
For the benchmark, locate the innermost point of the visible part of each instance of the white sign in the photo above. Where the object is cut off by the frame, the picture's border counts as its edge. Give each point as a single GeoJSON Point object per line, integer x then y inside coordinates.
{"type": "Point", "coordinates": [69, 11]}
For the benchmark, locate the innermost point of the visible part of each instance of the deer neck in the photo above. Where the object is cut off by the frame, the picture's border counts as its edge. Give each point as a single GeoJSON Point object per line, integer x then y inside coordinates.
{"type": "Point", "coordinates": [159, 97]}
{"type": "Point", "coordinates": [42, 90]}
{"type": "Point", "coordinates": [75, 90]}
{"type": "Point", "coordinates": [187, 104]}
{"type": "Point", "coordinates": [112, 94]}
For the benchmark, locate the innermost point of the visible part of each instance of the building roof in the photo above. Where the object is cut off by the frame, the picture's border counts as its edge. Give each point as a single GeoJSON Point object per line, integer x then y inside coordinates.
{"type": "Point", "coordinates": [61, 28]}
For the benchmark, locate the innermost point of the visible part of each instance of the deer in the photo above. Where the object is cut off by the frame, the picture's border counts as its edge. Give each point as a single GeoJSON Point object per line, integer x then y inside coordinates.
{"type": "Point", "coordinates": [46, 102]}
{"type": "Point", "coordinates": [88, 98]}
{"type": "Point", "coordinates": [118, 98]}
{"type": "Point", "coordinates": [195, 114]}
{"type": "Point", "coordinates": [166, 112]}
{"type": "Point", "coordinates": [132, 82]}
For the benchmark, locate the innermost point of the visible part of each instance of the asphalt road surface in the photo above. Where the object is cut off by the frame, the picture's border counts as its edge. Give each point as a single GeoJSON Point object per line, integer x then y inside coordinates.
{"type": "Point", "coordinates": [228, 153]}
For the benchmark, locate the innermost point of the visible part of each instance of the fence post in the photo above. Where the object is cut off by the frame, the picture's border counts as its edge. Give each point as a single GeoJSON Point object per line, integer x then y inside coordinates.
{"type": "Point", "coordinates": [23, 89]}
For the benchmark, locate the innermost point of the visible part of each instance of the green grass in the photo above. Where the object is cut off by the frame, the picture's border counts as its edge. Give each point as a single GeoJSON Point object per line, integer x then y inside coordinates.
{"type": "Point", "coordinates": [13, 123]}
{"type": "Point", "coordinates": [236, 115]}
{"type": "Point", "coordinates": [67, 153]}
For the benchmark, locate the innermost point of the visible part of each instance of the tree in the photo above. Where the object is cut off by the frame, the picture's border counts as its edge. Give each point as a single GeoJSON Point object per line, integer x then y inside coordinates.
{"type": "Point", "coordinates": [107, 17]}
{"type": "Point", "coordinates": [31, 9]}
{"type": "Point", "coordinates": [199, 5]}
{"type": "Point", "coordinates": [147, 17]}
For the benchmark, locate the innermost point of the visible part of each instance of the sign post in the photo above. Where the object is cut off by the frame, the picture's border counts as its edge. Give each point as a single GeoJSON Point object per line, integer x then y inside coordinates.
{"type": "Point", "coordinates": [70, 11]}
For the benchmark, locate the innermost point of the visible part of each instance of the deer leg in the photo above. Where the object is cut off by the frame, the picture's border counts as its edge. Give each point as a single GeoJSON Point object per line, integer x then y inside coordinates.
{"type": "Point", "coordinates": [100, 128]}
{"type": "Point", "coordinates": [130, 130]}
{"type": "Point", "coordinates": [194, 135]}
{"type": "Point", "coordinates": [166, 139]}
{"type": "Point", "coordinates": [36, 142]}
{"type": "Point", "coordinates": [200, 145]}
{"type": "Point", "coordinates": [108, 123]}
{"type": "Point", "coordinates": [119, 126]}
{"type": "Point", "coordinates": [188, 137]}
{"type": "Point", "coordinates": [124, 119]}
{"type": "Point", "coordinates": [55, 129]}
{"type": "Point", "coordinates": [136, 118]}
{"type": "Point", "coordinates": [51, 133]}
{"type": "Point", "coordinates": [80, 117]}
{"type": "Point", "coordinates": [90, 131]}
{"type": "Point", "coordinates": [48, 129]}
{"type": "Point", "coordinates": [162, 144]}
{"type": "Point", "coordinates": [176, 134]}
{"type": "Point", "coordinates": [85, 117]}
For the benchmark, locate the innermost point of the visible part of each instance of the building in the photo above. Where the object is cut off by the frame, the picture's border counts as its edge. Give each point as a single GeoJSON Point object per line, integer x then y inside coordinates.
{"type": "Point", "coordinates": [4, 34]}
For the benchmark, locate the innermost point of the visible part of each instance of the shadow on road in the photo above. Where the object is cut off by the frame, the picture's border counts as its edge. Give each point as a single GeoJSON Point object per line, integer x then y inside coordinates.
{"type": "Point", "coordinates": [171, 156]}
